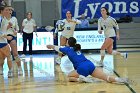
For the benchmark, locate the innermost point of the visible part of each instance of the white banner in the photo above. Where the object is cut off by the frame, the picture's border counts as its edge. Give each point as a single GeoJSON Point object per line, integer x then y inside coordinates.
{"type": "Point", "coordinates": [39, 42]}
{"type": "Point", "coordinates": [89, 39]}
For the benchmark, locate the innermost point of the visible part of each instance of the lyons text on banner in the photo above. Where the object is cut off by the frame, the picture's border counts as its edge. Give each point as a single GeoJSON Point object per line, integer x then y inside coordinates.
{"type": "Point", "coordinates": [117, 8]}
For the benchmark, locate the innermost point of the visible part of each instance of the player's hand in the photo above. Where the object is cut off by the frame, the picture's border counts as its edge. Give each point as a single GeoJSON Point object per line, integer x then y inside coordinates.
{"type": "Point", "coordinates": [9, 25]}
{"type": "Point", "coordinates": [49, 46]}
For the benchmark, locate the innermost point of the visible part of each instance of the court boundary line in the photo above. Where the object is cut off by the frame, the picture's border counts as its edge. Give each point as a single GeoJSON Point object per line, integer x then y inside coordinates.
{"type": "Point", "coordinates": [126, 84]}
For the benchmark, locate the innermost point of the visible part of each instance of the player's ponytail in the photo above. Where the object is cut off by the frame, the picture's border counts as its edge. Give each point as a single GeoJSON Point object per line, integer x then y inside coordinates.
{"type": "Point", "coordinates": [77, 47]}
{"type": "Point", "coordinates": [72, 43]}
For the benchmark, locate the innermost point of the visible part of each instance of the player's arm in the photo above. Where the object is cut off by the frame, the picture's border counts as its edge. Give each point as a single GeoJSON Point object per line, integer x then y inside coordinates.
{"type": "Point", "coordinates": [60, 49]}
{"type": "Point", "coordinates": [22, 27]}
{"type": "Point", "coordinates": [99, 27]}
{"type": "Point", "coordinates": [34, 25]}
{"type": "Point", "coordinates": [56, 48]}
{"type": "Point", "coordinates": [16, 29]}
{"type": "Point", "coordinates": [76, 21]}
{"type": "Point", "coordinates": [115, 24]}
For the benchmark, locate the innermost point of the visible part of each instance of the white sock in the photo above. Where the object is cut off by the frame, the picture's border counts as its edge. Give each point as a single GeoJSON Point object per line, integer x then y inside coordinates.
{"type": "Point", "coordinates": [114, 52]}
{"type": "Point", "coordinates": [118, 80]}
{"type": "Point", "coordinates": [78, 79]}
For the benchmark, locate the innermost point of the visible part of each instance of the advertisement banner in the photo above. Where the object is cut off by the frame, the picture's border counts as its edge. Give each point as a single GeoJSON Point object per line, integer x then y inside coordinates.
{"type": "Point", "coordinates": [39, 41]}
{"type": "Point", "coordinates": [117, 8]}
{"type": "Point", "coordinates": [87, 39]}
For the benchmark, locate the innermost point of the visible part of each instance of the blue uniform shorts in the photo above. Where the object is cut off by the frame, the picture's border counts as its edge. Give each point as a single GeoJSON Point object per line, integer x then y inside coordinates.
{"type": "Point", "coordinates": [2, 45]}
{"type": "Point", "coordinates": [13, 38]}
{"type": "Point", "coordinates": [114, 42]}
{"type": "Point", "coordinates": [86, 68]}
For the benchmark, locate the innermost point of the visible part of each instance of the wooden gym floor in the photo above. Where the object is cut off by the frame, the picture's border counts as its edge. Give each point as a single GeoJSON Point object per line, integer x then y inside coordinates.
{"type": "Point", "coordinates": [41, 75]}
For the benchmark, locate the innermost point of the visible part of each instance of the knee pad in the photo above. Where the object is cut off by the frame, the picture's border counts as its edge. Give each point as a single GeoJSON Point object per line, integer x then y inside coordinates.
{"type": "Point", "coordinates": [17, 59]}
{"type": "Point", "coordinates": [108, 79]}
{"type": "Point", "coordinates": [114, 52]}
{"type": "Point", "coordinates": [102, 52]}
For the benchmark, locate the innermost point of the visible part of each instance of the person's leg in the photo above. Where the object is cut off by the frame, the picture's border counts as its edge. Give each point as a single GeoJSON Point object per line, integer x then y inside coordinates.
{"type": "Point", "coordinates": [115, 52]}
{"type": "Point", "coordinates": [30, 43]}
{"type": "Point", "coordinates": [107, 43]}
{"type": "Point", "coordinates": [109, 48]}
{"type": "Point", "coordinates": [114, 43]}
{"type": "Point", "coordinates": [73, 76]}
{"type": "Point", "coordinates": [81, 73]}
{"type": "Point", "coordinates": [13, 46]}
{"type": "Point", "coordinates": [7, 53]}
{"type": "Point", "coordinates": [24, 42]}
{"type": "Point", "coordinates": [63, 42]}
{"type": "Point", "coordinates": [98, 73]}
{"type": "Point", "coordinates": [2, 58]}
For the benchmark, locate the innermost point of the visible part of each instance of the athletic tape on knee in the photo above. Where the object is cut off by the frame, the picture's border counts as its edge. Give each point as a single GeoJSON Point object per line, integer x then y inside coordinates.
{"type": "Point", "coordinates": [114, 52]}
{"type": "Point", "coordinates": [108, 79]}
{"type": "Point", "coordinates": [102, 52]}
{"type": "Point", "coordinates": [117, 79]}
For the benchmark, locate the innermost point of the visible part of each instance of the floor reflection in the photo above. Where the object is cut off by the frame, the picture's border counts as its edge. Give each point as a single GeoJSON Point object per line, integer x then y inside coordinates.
{"type": "Point", "coordinates": [43, 65]}
{"type": "Point", "coordinates": [37, 67]}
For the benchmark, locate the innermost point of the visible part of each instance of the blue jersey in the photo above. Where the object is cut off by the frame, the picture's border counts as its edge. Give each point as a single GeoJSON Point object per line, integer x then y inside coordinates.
{"type": "Point", "coordinates": [83, 66]}
{"type": "Point", "coordinates": [76, 57]}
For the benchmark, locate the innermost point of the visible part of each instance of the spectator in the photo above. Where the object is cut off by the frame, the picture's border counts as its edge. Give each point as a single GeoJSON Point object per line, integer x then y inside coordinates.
{"type": "Point", "coordinates": [84, 22]}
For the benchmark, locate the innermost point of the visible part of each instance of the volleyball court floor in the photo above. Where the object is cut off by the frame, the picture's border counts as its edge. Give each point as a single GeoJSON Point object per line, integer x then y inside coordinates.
{"type": "Point", "coordinates": [41, 74]}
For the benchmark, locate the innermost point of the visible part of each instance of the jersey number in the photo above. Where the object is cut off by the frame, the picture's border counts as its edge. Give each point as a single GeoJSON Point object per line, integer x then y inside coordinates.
{"type": "Point", "coordinates": [78, 53]}
{"type": "Point", "coordinates": [68, 28]}
{"type": "Point", "coordinates": [105, 26]}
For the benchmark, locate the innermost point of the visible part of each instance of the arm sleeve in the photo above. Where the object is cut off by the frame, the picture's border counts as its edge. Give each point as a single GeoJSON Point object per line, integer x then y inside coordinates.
{"type": "Point", "coordinates": [115, 24]}
{"type": "Point", "coordinates": [60, 49]}
{"type": "Point", "coordinates": [99, 25]}
{"type": "Point", "coordinates": [56, 48]}
{"type": "Point", "coordinates": [17, 27]}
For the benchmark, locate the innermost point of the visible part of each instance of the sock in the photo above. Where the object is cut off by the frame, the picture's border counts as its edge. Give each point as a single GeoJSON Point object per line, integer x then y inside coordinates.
{"type": "Point", "coordinates": [118, 80]}
{"type": "Point", "coordinates": [114, 52]}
